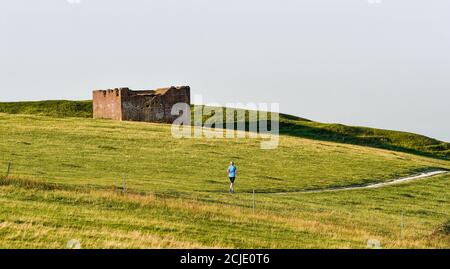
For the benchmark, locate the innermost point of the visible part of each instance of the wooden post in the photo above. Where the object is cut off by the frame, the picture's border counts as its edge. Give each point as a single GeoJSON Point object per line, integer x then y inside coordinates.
{"type": "Point", "coordinates": [9, 169]}
{"type": "Point", "coordinates": [253, 201]}
{"type": "Point", "coordinates": [124, 183]}
{"type": "Point", "coordinates": [401, 227]}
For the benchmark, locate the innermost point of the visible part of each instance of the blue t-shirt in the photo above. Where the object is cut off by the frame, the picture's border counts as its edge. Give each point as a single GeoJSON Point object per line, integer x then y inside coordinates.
{"type": "Point", "coordinates": [232, 171]}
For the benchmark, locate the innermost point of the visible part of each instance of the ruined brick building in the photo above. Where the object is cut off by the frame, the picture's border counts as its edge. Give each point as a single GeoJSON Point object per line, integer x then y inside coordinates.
{"type": "Point", "coordinates": [149, 106]}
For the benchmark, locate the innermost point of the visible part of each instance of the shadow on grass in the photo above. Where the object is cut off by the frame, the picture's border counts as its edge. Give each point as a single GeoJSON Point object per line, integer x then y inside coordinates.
{"type": "Point", "coordinates": [382, 142]}
{"type": "Point", "coordinates": [362, 136]}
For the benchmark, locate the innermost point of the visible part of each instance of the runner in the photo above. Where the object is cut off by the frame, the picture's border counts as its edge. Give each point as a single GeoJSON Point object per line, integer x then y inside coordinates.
{"type": "Point", "coordinates": [232, 171]}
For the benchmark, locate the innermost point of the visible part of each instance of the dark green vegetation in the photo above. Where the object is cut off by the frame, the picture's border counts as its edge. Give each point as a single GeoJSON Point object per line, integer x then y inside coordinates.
{"type": "Point", "coordinates": [59, 108]}
{"type": "Point", "coordinates": [371, 137]}
{"type": "Point", "coordinates": [445, 228]}
{"type": "Point", "coordinates": [289, 125]}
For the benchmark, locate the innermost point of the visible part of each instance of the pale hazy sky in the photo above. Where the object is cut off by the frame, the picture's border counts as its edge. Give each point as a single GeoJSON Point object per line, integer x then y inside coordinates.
{"type": "Point", "coordinates": [378, 63]}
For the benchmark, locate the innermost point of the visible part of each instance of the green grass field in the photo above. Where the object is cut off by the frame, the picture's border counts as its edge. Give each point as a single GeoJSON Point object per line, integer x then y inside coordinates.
{"type": "Point", "coordinates": [289, 125]}
{"type": "Point", "coordinates": [67, 175]}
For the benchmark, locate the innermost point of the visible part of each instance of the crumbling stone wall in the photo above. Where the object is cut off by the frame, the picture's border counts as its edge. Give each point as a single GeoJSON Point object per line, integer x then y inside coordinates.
{"type": "Point", "coordinates": [107, 104]}
{"type": "Point", "coordinates": [149, 106]}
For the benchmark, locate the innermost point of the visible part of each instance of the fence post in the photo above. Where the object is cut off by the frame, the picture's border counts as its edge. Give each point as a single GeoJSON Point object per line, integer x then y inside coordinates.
{"type": "Point", "coordinates": [124, 183]}
{"type": "Point", "coordinates": [8, 169]}
{"type": "Point", "coordinates": [401, 226]}
{"type": "Point", "coordinates": [253, 201]}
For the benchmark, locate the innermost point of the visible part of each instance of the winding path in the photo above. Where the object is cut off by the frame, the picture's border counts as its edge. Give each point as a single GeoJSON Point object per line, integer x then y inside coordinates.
{"type": "Point", "coordinates": [375, 185]}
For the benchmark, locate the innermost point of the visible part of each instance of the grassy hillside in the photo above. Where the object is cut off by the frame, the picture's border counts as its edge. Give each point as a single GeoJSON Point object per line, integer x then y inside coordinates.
{"type": "Point", "coordinates": [66, 182]}
{"type": "Point", "coordinates": [78, 150]}
{"type": "Point", "coordinates": [289, 125]}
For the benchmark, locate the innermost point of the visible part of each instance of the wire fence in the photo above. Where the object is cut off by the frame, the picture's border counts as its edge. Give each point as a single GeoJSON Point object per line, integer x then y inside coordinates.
{"type": "Point", "coordinates": [247, 200]}
{"type": "Point", "coordinates": [125, 184]}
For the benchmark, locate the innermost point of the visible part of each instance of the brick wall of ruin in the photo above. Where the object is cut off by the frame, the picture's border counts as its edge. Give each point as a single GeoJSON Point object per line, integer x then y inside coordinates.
{"type": "Point", "coordinates": [107, 104]}
{"type": "Point", "coordinates": [149, 106]}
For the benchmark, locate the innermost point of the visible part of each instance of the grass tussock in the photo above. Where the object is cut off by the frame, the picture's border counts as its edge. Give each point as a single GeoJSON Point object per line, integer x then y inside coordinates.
{"type": "Point", "coordinates": [445, 228]}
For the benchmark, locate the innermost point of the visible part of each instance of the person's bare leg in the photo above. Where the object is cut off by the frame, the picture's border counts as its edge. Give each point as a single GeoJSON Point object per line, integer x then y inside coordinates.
{"type": "Point", "coordinates": [232, 187]}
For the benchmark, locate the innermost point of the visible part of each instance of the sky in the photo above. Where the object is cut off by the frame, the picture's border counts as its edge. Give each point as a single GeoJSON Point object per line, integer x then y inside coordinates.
{"type": "Point", "coordinates": [377, 63]}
